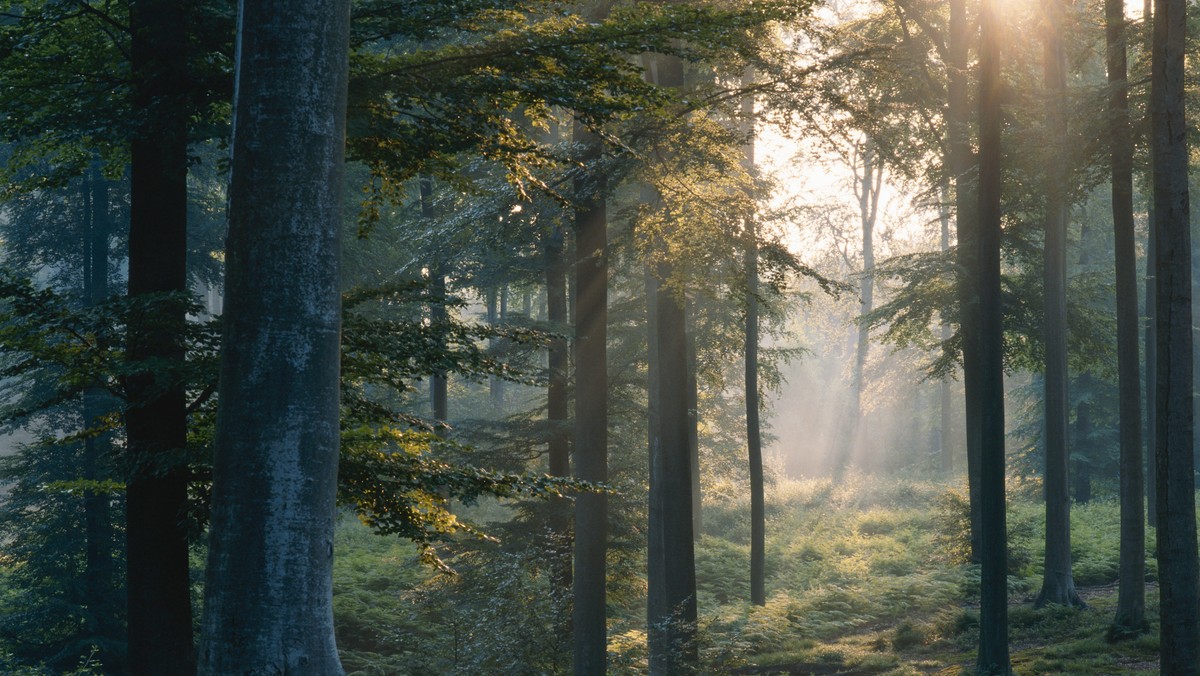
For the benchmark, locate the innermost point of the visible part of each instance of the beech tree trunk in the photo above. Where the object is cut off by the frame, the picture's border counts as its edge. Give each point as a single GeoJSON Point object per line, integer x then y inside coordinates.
{"type": "Point", "coordinates": [966, 212]}
{"type": "Point", "coordinates": [157, 571]}
{"type": "Point", "coordinates": [758, 517]}
{"type": "Point", "coordinates": [758, 530]}
{"type": "Point", "coordinates": [559, 444]}
{"type": "Point", "coordinates": [693, 408]}
{"type": "Point", "coordinates": [438, 383]}
{"type": "Point", "coordinates": [946, 401]}
{"type": "Point", "coordinates": [1058, 585]}
{"type": "Point", "coordinates": [866, 190]}
{"type": "Point", "coordinates": [993, 552]}
{"type": "Point", "coordinates": [1176, 542]}
{"type": "Point", "coordinates": [1151, 337]}
{"type": "Point", "coordinates": [269, 588]}
{"type": "Point", "coordinates": [591, 409]}
{"type": "Point", "coordinates": [98, 530]}
{"type": "Point", "coordinates": [671, 614]}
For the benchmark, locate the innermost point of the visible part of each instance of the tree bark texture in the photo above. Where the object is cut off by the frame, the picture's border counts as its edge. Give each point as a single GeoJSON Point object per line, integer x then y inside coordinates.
{"type": "Point", "coordinates": [591, 409]}
{"type": "Point", "coordinates": [758, 516]}
{"type": "Point", "coordinates": [945, 390]}
{"type": "Point", "coordinates": [159, 591]}
{"type": "Point", "coordinates": [98, 530]}
{"type": "Point", "coordinates": [693, 407]}
{"type": "Point", "coordinates": [1177, 557]}
{"type": "Point", "coordinates": [1151, 370]}
{"type": "Point", "coordinates": [866, 190]}
{"type": "Point", "coordinates": [671, 619]}
{"type": "Point", "coordinates": [268, 596]}
{"type": "Point", "coordinates": [966, 211]}
{"type": "Point", "coordinates": [1151, 336]}
{"type": "Point", "coordinates": [758, 594]}
{"type": "Point", "coordinates": [438, 383]}
{"type": "Point", "coordinates": [1058, 585]}
{"type": "Point", "coordinates": [559, 443]}
{"type": "Point", "coordinates": [993, 612]}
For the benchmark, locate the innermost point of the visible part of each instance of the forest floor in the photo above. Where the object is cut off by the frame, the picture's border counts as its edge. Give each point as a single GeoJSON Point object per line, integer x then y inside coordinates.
{"type": "Point", "coordinates": [923, 531]}
{"type": "Point", "coordinates": [868, 576]}
{"type": "Point", "coordinates": [1049, 641]}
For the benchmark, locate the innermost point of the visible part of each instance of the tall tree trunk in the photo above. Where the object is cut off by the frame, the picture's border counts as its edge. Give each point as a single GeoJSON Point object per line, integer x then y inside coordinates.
{"type": "Point", "coordinates": [1177, 556]}
{"type": "Point", "coordinates": [946, 392]}
{"type": "Point", "coordinates": [1151, 337]}
{"type": "Point", "coordinates": [693, 409]}
{"type": "Point", "coordinates": [1151, 375]}
{"type": "Point", "coordinates": [1130, 617]}
{"type": "Point", "coordinates": [559, 444]}
{"type": "Point", "coordinates": [993, 552]}
{"type": "Point", "coordinates": [495, 384]}
{"type": "Point", "coordinates": [268, 602]}
{"type": "Point", "coordinates": [966, 211]}
{"type": "Point", "coordinates": [438, 383]}
{"type": "Point", "coordinates": [1058, 585]}
{"type": "Point", "coordinates": [758, 517]}
{"type": "Point", "coordinates": [866, 189]}
{"type": "Point", "coordinates": [98, 531]}
{"type": "Point", "coordinates": [591, 408]}
{"type": "Point", "coordinates": [1081, 477]}
{"type": "Point", "coordinates": [672, 618]}
{"type": "Point", "coordinates": [159, 592]}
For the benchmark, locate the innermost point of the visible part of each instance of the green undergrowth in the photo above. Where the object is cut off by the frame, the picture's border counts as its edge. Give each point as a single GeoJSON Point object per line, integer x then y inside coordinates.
{"type": "Point", "coordinates": [868, 576]}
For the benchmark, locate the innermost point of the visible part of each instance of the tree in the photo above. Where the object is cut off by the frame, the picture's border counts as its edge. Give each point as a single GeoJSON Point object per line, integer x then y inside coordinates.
{"type": "Point", "coordinates": [160, 608]}
{"type": "Point", "coordinates": [589, 617]}
{"type": "Point", "coordinates": [1058, 586]}
{"type": "Point", "coordinates": [1130, 617]}
{"type": "Point", "coordinates": [1176, 498]}
{"type": "Point", "coordinates": [758, 517]}
{"type": "Point", "coordinates": [268, 591]}
{"type": "Point", "coordinates": [671, 612]}
{"type": "Point", "coordinates": [960, 162]}
{"type": "Point", "coordinates": [993, 552]}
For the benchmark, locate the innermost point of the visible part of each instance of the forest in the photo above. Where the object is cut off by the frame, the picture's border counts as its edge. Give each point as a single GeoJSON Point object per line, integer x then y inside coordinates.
{"type": "Point", "coordinates": [604, 337]}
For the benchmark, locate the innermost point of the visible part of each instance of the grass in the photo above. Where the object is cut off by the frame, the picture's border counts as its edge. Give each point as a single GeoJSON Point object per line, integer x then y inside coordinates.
{"type": "Point", "coordinates": [865, 577]}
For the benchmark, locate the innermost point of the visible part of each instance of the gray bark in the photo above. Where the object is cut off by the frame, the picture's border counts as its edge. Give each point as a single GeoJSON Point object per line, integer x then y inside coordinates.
{"type": "Point", "coordinates": [966, 206]}
{"type": "Point", "coordinates": [591, 410]}
{"type": "Point", "coordinates": [758, 526]}
{"type": "Point", "coordinates": [268, 596]}
{"type": "Point", "coordinates": [993, 612]}
{"type": "Point", "coordinates": [1176, 499]}
{"type": "Point", "coordinates": [1130, 617]}
{"type": "Point", "coordinates": [559, 444]}
{"type": "Point", "coordinates": [1058, 585]}
{"type": "Point", "coordinates": [671, 616]}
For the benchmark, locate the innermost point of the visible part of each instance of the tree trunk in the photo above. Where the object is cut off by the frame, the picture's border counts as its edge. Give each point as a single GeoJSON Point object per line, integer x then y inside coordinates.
{"type": "Point", "coordinates": [1081, 478]}
{"type": "Point", "coordinates": [966, 212]}
{"type": "Point", "coordinates": [866, 189]}
{"type": "Point", "coordinates": [758, 517]}
{"type": "Point", "coordinates": [1058, 585]}
{"type": "Point", "coordinates": [1151, 375]}
{"type": "Point", "coordinates": [758, 531]}
{"type": "Point", "coordinates": [98, 528]}
{"type": "Point", "coordinates": [268, 603]}
{"type": "Point", "coordinates": [591, 408]}
{"type": "Point", "coordinates": [993, 552]}
{"type": "Point", "coordinates": [693, 408]}
{"type": "Point", "coordinates": [1151, 337]}
{"type": "Point", "coordinates": [1177, 557]}
{"type": "Point", "coordinates": [438, 383]}
{"type": "Point", "coordinates": [159, 591]}
{"type": "Point", "coordinates": [946, 403]}
{"type": "Point", "coordinates": [559, 444]}
{"type": "Point", "coordinates": [671, 618]}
